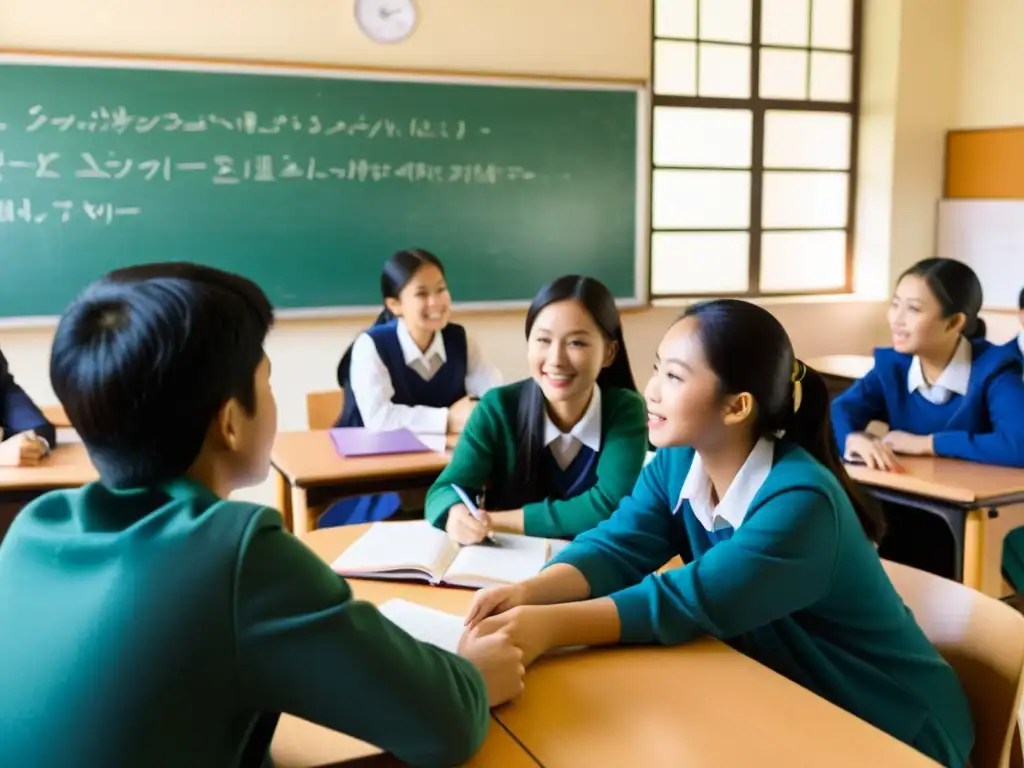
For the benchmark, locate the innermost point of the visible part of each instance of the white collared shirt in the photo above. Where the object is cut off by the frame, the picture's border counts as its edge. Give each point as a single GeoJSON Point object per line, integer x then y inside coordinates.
{"type": "Point", "coordinates": [954, 379]}
{"type": "Point", "coordinates": [733, 506]}
{"type": "Point", "coordinates": [373, 389]}
{"type": "Point", "coordinates": [565, 446]}
{"type": "Point", "coordinates": [1020, 341]}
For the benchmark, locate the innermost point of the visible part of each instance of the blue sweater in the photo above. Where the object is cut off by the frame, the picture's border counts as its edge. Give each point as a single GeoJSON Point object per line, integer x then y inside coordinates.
{"type": "Point", "coordinates": [798, 587]}
{"type": "Point", "coordinates": [986, 425]}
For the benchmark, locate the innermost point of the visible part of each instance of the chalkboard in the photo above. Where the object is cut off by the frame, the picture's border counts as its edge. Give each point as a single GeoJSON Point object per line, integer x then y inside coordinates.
{"type": "Point", "coordinates": [307, 180]}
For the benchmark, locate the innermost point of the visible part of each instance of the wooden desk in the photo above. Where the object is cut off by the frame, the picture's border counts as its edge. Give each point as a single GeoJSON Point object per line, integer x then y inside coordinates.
{"type": "Point", "coordinates": [310, 474]}
{"type": "Point", "coordinates": [979, 503]}
{"type": "Point", "coordinates": [68, 466]}
{"type": "Point", "coordinates": [840, 371]}
{"type": "Point", "coordinates": [658, 706]}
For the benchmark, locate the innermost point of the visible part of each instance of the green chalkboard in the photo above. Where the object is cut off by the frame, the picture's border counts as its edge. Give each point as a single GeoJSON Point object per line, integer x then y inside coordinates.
{"type": "Point", "coordinates": [306, 181]}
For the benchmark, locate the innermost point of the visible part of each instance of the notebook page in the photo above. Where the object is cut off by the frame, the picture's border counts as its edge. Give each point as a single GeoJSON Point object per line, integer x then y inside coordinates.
{"type": "Point", "coordinates": [415, 544]}
{"type": "Point", "coordinates": [513, 558]}
{"type": "Point", "coordinates": [427, 625]}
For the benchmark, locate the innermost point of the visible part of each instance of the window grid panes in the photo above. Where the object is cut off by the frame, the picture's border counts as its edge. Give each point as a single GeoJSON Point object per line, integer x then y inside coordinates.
{"type": "Point", "coordinates": [754, 141]}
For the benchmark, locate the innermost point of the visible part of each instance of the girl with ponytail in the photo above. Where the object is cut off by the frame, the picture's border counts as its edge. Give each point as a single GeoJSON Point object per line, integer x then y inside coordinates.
{"type": "Point", "coordinates": [748, 488]}
{"type": "Point", "coordinates": [554, 452]}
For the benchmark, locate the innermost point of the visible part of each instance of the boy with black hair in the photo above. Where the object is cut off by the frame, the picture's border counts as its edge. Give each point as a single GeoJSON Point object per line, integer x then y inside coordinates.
{"type": "Point", "coordinates": [146, 619]}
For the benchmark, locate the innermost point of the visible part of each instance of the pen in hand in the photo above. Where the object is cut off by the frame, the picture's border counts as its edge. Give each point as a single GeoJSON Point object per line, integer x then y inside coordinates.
{"type": "Point", "coordinates": [473, 510]}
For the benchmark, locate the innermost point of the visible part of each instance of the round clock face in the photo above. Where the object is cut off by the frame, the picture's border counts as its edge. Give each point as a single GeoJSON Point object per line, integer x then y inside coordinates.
{"type": "Point", "coordinates": [386, 21]}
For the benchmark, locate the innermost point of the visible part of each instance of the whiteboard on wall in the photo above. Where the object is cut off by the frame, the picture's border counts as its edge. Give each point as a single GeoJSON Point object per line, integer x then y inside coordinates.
{"type": "Point", "coordinates": [988, 235]}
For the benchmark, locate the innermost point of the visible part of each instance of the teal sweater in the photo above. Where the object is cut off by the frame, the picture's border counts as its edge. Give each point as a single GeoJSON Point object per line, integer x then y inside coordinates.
{"type": "Point", "coordinates": [798, 587]}
{"type": "Point", "coordinates": [485, 457]}
{"type": "Point", "coordinates": [152, 627]}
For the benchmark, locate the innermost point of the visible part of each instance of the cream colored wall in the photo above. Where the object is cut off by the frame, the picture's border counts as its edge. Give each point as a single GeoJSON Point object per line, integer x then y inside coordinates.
{"type": "Point", "coordinates": [990, 93]}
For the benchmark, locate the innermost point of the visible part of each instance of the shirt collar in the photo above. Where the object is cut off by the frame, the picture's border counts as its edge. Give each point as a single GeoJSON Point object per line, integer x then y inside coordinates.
{"type": "Point", "coordinates": [733, 507]}
{"type": "Point", "coordinates": [954, 378]}
{"type": "Point", "coordinates": [587, 430]}
{"type": "Point", "coordinates": [412, 353]}
{"type": "Point", "coordinates": [1020, 341]}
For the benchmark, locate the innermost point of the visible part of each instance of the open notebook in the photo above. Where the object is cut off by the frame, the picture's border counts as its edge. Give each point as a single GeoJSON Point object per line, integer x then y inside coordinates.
{"type": "Point", "coordinates": [418, 550]}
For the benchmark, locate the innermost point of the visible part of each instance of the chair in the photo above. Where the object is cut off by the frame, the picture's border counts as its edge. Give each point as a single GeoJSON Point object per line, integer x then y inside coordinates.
{"type": "Point", "coordinates": [983, 640]}
{"type": "Point", "coordinates": [323, 408]}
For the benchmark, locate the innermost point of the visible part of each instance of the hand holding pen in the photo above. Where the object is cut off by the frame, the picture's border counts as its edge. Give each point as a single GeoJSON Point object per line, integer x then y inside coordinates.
{"type": "Point", "coordinates": [467, 523]}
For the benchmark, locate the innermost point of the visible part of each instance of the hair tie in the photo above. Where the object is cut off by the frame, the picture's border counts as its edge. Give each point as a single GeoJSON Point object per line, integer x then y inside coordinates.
{"type": "Point", "coordinates": [799, 371]}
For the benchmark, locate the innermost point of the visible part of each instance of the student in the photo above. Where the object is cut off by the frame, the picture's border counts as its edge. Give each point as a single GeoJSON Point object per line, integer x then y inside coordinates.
{"type": "Point", "coordinates": [942, 388]}
{"type": "Point", "coordinates": [412, 369]}
{"type": "Point", "coordinates": [1016, 345]}
{"type": "Point", "coordinates": [748, 487]}
{"type": "Point", "coordinates": [1013, 543]}
{"type": "Point", "coordinates": [150, 621]}
{"type": "Point", "coordinates": [557, 451]}
{"type": "Point", "coordinates": [26, 434]}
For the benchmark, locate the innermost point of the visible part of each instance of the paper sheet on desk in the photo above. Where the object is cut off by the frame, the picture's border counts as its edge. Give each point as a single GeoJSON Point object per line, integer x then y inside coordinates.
{"type": "Point", "coordinates": [436, 443]}
{"type": "Point", "coordinates": [427, 625]}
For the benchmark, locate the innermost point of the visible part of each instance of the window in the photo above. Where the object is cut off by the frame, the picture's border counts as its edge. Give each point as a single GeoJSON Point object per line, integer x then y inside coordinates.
{"type": "Point", "coordinates": [753, 146]}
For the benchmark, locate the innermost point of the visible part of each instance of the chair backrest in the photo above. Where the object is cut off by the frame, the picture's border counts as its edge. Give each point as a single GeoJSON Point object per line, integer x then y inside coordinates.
{"type": "Point", "coordinates": [323, 408]}
{"type": "Point", "coordinates": [983, 640]}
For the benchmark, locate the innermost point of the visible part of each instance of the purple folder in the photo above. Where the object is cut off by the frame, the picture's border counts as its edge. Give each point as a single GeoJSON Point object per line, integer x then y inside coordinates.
{"type": "Point", "coordinates": [359, 441]}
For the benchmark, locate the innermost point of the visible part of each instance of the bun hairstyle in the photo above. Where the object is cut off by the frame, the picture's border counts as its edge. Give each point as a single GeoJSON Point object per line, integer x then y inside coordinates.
{"type": "Point", "coordinates": [957, 289]}
{"type": "Point", "coordinates": [749, 351]}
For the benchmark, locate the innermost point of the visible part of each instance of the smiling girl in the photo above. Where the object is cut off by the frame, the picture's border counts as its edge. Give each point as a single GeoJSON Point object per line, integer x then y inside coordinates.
{"type": "Point", "coordinates": [412, 369]}
{"type": "Point", "coordinates": [942, 388]}
{"type": "Point", "coordinates": [557, 451]}
{"type": "Point", "coordinates": [748, 488]}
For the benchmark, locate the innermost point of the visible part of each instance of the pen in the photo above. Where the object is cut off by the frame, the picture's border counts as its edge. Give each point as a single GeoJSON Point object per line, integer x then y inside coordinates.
{"type": "Point", "coordinates": [473, 510]}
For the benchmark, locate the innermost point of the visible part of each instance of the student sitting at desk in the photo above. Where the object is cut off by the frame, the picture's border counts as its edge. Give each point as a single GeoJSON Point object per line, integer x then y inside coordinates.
{"type": "Point", "coordinates": [26, 434]}
{"type": "Point", "coordinates": [749, 489]}
{"type": "Point", "coordinates": [942, 388]}
{"type": "Point", "coordinates": [147, 619]}
{"type": "Point", "coordinates": [412, 369]}
{"type": "Point", "coordinates": [557, 451]}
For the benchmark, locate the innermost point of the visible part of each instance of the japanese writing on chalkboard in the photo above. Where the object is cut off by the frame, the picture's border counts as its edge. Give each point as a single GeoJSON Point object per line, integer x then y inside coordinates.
{"type": "Point", "coordinates": [229, 169]}
{"type": "Point", "coordinates": [119, 120]}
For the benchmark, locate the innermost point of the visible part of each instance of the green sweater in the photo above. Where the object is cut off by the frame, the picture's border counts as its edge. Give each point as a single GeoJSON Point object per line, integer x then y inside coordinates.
{"type": "Point", "coordinates": [798, 587]}
{"type": "Point", "coordinates": [152, 627]}
{"type": "Point", "coordinates": [486, 456]}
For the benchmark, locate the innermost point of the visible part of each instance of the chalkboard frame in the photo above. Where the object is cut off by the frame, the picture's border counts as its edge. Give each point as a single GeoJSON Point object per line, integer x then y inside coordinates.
{"type": "Point", "coordinates": [641, 297]}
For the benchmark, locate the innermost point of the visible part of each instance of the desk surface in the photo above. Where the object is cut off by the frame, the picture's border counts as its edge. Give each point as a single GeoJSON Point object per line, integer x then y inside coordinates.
{"type": "Point", "coordinates": [309, 458]}
{"type": "Point", "coordinates": [842, 366]}
{"type": "Point", "coordinates": [658, 706]}
{"type": "Point", "coordinates": [952, 480]}
{"type": "Point", "coordinates": [68, 466]}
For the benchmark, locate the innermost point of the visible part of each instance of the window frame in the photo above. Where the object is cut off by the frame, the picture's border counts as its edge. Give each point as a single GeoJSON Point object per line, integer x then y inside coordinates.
{"type": "Point", "coordinates": [758, 108]}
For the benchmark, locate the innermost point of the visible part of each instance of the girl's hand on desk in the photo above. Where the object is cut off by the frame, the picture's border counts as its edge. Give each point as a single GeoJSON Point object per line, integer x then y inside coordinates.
{"type": "Point", "coordinates": [873, 452]}
{"type": "Point", "coordinates": [911, 445]}
{"type": "Point", "coordinates": [495, 600]}
{"type": "Point", "coordinates": [499, 660]}
{"type": "Point", "coordinates": [465, 529]}
{"type": "Point", "coordinates": [527, 627]}
{"type": "Point", "coordinates": [22, 450]}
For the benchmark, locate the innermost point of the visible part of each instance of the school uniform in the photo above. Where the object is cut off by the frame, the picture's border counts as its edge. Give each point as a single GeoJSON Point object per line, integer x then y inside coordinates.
{"type": "Point", "coordinates": [165, 627]}
{"type": "Point", "coordinates": [781, 570]}
{"type": "Point", "coordinates": [975, 411]}
{"type": "Point", "coordinates": [583, 473]}
{"type": "Point", "coordinates": [393, 384]}
{"type": "Point", "coordinates": [17, 411]}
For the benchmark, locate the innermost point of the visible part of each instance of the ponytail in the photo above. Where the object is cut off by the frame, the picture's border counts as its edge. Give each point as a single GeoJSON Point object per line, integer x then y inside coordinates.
{"type": "Point", "coordinates": [345, 364]}
{"type": "Point", "coordinates": [811, 428]}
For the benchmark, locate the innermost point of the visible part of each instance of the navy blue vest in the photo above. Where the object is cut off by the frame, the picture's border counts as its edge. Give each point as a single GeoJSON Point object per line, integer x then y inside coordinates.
{"type": "Point", "coordinates": [578, 477]}
{"type": "Point", "coordinates": [446, 387]}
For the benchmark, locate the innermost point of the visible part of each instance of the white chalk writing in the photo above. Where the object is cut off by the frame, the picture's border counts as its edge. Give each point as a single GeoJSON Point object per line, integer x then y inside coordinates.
{"type": "Point", "coordinates": [119, 120]}
{"type": "Point", "coordinates": [229, 170]}
{"type": "Point", "coordinates": [29, 211]}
